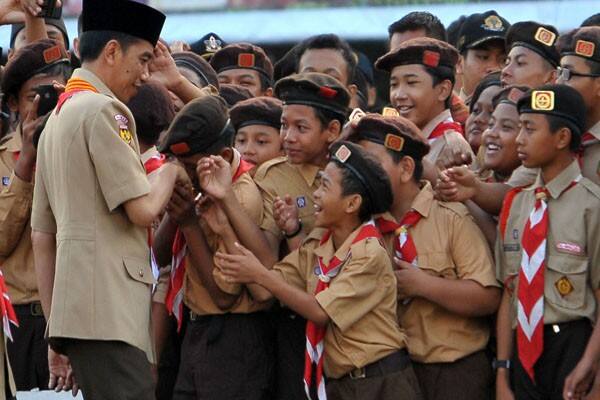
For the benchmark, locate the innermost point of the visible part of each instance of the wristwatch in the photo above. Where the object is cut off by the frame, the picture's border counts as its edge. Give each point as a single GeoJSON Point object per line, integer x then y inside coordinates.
{"type": "Point", "coordinates": [501, 364]}
{"type": "Point", "coordinates": [294, 234]}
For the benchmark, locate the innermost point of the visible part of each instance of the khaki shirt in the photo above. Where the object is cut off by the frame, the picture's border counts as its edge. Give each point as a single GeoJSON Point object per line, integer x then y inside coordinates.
{"type": "Point", "coordinates": [360, 300]}
{"type": "Point", "coordinates": [591, 157]}
{"type": "Point", "coordinates": [442, 150]}
{"type": "Point", "coordinates": [572, 253]}
{"type": "Point", "coordinates": [16, 253]}
{"type": "Point", "coordinates": [278, 177]}
{"type": "Point", "coordinates": [195, 295]}
{"type": "Point", "coordinates": [449, 245]}
{"type": "Point", "coordinates": [88, 165]}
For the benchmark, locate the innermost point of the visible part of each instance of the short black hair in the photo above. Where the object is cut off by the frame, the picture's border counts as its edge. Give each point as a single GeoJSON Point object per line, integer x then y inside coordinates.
{"type": "Point", "coordinates": [438, 75]}
{"type": "Point", "coordinates": [593, 20]}
{"type": "Point", "coordinates": [419, 20]}
{"type": "Point", "coordinates": [555, 123]}
{"type": "Point", "coordinates": [92, 43]}
{"type": "Point", "coordinates": [453, 30]}
{"type": "Point", "coordinates": [330, 41]}
{"type": "Point", "coordinates": [326, 116]}
{"type": "Point", "coordinates": [362, 87]}
{"type": "Point", "coordinates": [265, 82]}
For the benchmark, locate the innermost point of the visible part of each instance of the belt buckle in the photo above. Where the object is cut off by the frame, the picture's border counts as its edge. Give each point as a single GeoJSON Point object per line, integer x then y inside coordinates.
{"type": "Point", "coordinates": [193, 316]}
{"type": "Point", "coordinates": [358, 373]}
{"type": "Point", "coordinates": [36, 309]}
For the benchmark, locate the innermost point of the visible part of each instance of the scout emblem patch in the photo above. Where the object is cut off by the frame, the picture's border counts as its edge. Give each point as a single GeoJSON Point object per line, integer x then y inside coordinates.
{"type": "Point", "coordinates": [390, 112]}
{"type": "Point", "coordinates": [301, 202]}
{"type": "Point", "coordinates": [545, 36]}
{"type": "Point", "coordinates": [493, 23]}
{"type": "Point", "coordinates": [394, 142]}
{"type": "Point", "coordinates": [212, 45]}
{"type": "Point", "coordinates": [343, 153]}
{"type": "Point", "coordinates": [431, 58]}
{"type": "Point", "coordinates": [585, 48]}
{"type": "Point", "coordinates": [356, 115]}
{"type": "Point", "coordinates": [564, 286]}
{"type": "Point", "coordinates": [246, 60]}
{"type": "Point", "coordinates": [123, 128]}
{"type": "Point", "coordinates": [5, 180]}
{"type": "Point", "coordinates": [52, 54]}
{"type": "Point", "coordinates": [514, 95]}
{"type": "Point", "coordinates": [542, 100]}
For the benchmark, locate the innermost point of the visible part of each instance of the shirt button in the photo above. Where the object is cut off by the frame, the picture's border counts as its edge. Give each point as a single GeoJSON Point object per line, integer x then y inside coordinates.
{"type": "Point", "coordinates": [141, 273]}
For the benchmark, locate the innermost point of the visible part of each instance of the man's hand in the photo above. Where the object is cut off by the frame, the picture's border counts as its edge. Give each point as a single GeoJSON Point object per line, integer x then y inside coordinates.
{"type": "Point", "coordinates": [285, 213]}
{"type": "Point", "coordinates": [179, 46]}
{"type": "Point", "coordinates": [61, 373]}
{"type": "Point", "coordinates": [214, 174]}
{"type": "Point", "coordinates": [163, 68]}
{"type": "Point", "coordinates": [181, 206]}
{"type": "Point", "coordinates": [579, 381]}
{"type": "Point", "coordinates": [456, 184]}
{"type": "Point", "coordinates": [11, 12]}
{"type": "Point", "coordinates": [409, 279]}
{"type": "Point", "coordinates": [26, 162]}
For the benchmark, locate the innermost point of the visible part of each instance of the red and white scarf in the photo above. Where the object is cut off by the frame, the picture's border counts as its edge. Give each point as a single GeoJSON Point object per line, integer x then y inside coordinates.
{"type": "Point", "coordinates": [8, 312]}
{"type": "Point", "coordinates": [443, 127]}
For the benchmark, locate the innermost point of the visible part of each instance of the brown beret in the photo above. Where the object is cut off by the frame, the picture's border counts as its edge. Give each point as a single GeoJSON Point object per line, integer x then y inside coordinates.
{"type": "Point", "coordinates": [537, 37]}
{"type": "Point", "coordinates": [582, 42]}
{"type": "Point", "coordinates": [152, 110]}
{"type": "Point", "coordinates": [316, 90]}
{"type": "Point", "coordinates": [394, 133]}
{"type": "Point", "coordinates": [198, 65]}
{"type": "Point", "coordinates": [244, 56]}
{"type": "Point", "coordinates": [257, 111]}
{"type": "Point", "coordinates": [31, 60]}
{"type": "Point", "coordinates": [430, 52]}
{"type": "Point", "coordinates": [233, 94]}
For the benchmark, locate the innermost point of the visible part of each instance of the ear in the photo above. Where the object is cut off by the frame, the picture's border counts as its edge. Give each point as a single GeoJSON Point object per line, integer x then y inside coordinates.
{"type": "Point", "coordinates": [112, 50]}
{"type": "Point", "coordinates": [11, 53]}
{"type": "Point", "coordinates": [268, 92]}
{"type": "Point", "coordinates": [444, 89]}
{"type": "Point", "coordinates": [353, 89]}
{"type": "Point", "coordinates": [333, 130]}
{"type": "Point", "coordinates": [353, 203]}
{"type": "Point", "coordinates": [406, 170]}
{"type": "Point", "coordinates": [562, 138]}
{"type": "Point", "coordinates": [227, 154]}
{"type": "Point", "coordinates": [13, 104]}
{"type": "Point", "coordinates": [552, 76]}
{"type": "Point", "coordinates": [460, 64]}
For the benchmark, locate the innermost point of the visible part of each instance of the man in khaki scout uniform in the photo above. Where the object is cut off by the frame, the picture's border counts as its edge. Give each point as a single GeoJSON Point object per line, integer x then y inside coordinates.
{"type": "Point", "coordinates": [443, 265]}
{"type": "Point", "coordinates": [39, 63]}
{"type": "Point", "coordinates": [92, 203]}
{"type": "Point", "coordinates": [547, 253]}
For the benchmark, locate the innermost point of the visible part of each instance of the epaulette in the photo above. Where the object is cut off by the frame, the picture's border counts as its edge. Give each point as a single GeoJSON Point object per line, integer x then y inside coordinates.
{"type": "Point", "coordinates": [506, 205]}
{"type": "Point", "coordinates": [458, 208]}
{"type": "Point", "coordinates": [262, 170]}
{"type": "Point", "coordinates": [590, 186]}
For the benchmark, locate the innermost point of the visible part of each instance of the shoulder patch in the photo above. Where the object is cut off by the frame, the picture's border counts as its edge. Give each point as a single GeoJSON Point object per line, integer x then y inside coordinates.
{"type": "Point", "coordinates": [590, 186]}
{"type": "Point", "coordinates": [262, 171]}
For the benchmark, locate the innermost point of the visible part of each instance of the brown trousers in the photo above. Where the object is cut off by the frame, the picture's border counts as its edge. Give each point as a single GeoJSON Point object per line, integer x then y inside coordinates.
{"type": "Point", "coordinates": [469, 378]}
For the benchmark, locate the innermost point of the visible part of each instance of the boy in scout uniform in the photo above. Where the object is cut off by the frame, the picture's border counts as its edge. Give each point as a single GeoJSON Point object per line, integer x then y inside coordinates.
{"type": "Point", "coordinates": [257, 123]}
{"type": "Point", "coordinates": [246, 65]}
{"type": "Point", "coordinates": [354, 348]}
{"type": "Point", "coordinates": [92, 204]}
{"type": "Point", "coordinates": [421, 80]}
{"type": "Point", "coordinates": [547, 252]}
{"type": "Point", "coordinates": [443, 268]}
{"type": "Point", "coordinates": [226, 351]}
{"type": "Point", "coordinates": [37, 64]}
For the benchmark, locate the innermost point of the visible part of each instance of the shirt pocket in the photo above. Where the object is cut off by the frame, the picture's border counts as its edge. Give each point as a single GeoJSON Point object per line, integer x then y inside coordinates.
{"type": "Point", "coordinates": [437, 264]}
{"type": "Point", "coordinates": [565, 280]}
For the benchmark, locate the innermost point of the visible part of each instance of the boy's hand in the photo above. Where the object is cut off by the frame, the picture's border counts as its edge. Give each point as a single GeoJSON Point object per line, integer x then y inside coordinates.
{"type": "Point", "coordinates": [456, 184]}
{"type": "Point", "coordinates": [409, 279]}
{"type": "Point", "coordinates": [243, 268]}
{"type": "Point", "coordinates": [162, 67]}
{"type": "Point", "coordinates": [503, 391]}
{"type": "Point", "coordinates": [213, 214]}
{"type": "Point", "coordinates": [579, 381]}
{"type": "Point", "coordinates": [181, 206]}
{"type": "Point", "coordinates": [214, 175]}
{"type": "Point", "coordinates": [285, 213]}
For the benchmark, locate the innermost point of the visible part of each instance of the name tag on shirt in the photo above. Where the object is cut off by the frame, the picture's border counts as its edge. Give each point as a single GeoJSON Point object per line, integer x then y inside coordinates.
{"type": "Point", "coordinates": [511, 247]}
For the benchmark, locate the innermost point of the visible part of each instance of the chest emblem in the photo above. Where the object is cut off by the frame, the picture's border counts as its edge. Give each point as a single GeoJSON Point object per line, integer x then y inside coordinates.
{"type": "Point", "coordinates": [301, 202]}
{"type": "Point", "coordinates": [564, 286]}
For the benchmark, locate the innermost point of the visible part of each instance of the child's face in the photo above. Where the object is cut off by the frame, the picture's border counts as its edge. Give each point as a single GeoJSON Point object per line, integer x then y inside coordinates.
{"type": "Point", "coordinates": [535, 142]}
{"type": "Point", "coordinates": [385, 159]}
{"type": "Point", "coordinates": [525, 67]}
{"type": "Point", "coordinates": [305, 139]}
{"type": "Point", "coordinates": [412, 93]}
{"type": "Point", "coordinates": [499, 140]}
{"type": "Point", "coordinates": [479, 119]}
{"type": "Point", "coordinates": [588, 87]}
{"type": "Point", "coordinates": [258, 143]}
{"type": "Point", "coordinates": [478, 62]}
{"type": "Point", "coordinates": [328, 197]}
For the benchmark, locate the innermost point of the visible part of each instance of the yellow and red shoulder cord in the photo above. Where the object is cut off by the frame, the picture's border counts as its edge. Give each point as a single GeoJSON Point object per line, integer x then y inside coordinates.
{"type": "Point", "coordinates": [74, 85]}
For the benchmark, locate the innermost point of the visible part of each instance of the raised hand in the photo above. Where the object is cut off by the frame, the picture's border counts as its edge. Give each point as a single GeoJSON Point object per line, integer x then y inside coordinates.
{"type": "Point", "coordinates": [243, 268]}
{"type": "Point", "coordinates": [285, 213]}
{"type": "Point", "coordinates": [181, 207]}
{"type": "Point", "coordinates": [214, 175]}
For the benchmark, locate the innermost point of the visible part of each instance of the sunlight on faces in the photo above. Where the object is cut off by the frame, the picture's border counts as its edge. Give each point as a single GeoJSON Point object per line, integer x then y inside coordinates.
{"type": "Point", "coordinates": [526, 67]}
{"type": "Point", "coordinates": [536, 145]}
{"type": "Point", "coordinates": [479, 119]}
{"type": "Point", "coordinates": [258, 143]}
{"type": "Point", "coordinates": [132, 65]}
{"type": "Point", "coordinates": [499, 140]}
{"type": "Point", "coordinates": [247, 78]}
{"type": "Point", "coordinates": [331, 206]}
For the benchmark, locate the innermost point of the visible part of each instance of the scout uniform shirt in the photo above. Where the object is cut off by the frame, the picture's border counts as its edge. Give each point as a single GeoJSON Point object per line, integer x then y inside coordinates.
{"type": "Point", "coordinates": [449, 245]}
{"type": "Point", "coordinates": [195, 295]}
{"type": "Point", "coordinates": [279, 177]}
{"type": "Point", "coordinates": [573, 246]}
{"type": "Point", "coordinates": [449, 141]}
{"type": "Point", "coordinates": [88, 165]}
{"type": "Point", "coordinates": [16, 253]}
{"type": "Point", "coordinates": [360, 300]}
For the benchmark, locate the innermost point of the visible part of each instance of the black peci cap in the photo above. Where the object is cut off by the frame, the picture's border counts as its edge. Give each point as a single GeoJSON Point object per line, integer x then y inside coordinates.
{"type": "Point", "coordinates": [480, 28]}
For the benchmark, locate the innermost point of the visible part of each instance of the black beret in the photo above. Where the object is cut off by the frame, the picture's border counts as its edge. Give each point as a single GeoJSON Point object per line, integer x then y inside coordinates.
{"type": "Point", "coordinates": [244, 56]}
{"type": "Point", "coordinates": [367, 170]}
{"type": "Point", "coordinates": [430, 52]}
{"type": "Point", "coordinates": [31, 60]}
{"type": "Point", "coordinates": [257, 111]}
{"type": "Point", "coordinates": [208, 45]}
{"type": "Point", "coordinates": [199, 125]}
{"type": "Point", "coordinates": [582, 42]}
{"type": "Point", "coordinates": [287, 65]}
{"type": "Point", "coordinates": [198, 65]}
{"type": "Point", "coordinates": [125, 16]}
{"type": "Point", "coordinates": [510, 95]}
{"type": "Point", "coordinates": [558, 100]}
{"type": "Point", "coordinates": [233, 94]}
{"type": "Point", "coordinates": [394, 133]}
{"type": "Point", "coordinates": [57, 22]}
{"type": "Point", "coordinates": [316, 90]}
{"type": "Point", "coordinates": [536, 37]}
{"type": "Point", "coordinates": [480, 28]}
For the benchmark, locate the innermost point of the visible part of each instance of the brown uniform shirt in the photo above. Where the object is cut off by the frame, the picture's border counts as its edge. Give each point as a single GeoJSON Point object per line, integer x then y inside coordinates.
{"type": "Point", "coordinates": [88, 165]}
{"type": "Point", "coordinates": [16, 254]}
{"type": "Point", "coordinates": [278, 177]}
{"type": "Point", "coordinates": [572, 252]}
{"type": "Point", "coordinates": [195, 296]}
{"type": "Point", "coordinates": [442, 149]}
{"type": "Point", "coordinates": [449, 245]}
{"type": "Point", "coordinates": [360, 301]}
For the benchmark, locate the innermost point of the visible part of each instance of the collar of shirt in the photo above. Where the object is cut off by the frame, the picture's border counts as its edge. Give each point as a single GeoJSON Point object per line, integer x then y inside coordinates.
{"type": "Point", "coordinates": [595, 130]}
{"type": "Point", "coordinates": [235, 162]}
{"type": "Point", "coordinates": [148, 154]}
{"type": "Point", "coordinates": [15, 143]}
{"type": "Point", "coordinates": [309, 172]}
{"type": "Point", "coordinates": [557, 185]}
{"type": "Point", "coordinates": [431, 125]}
{"type": "Point", "coordinates": [94, 80]}
{"type": "Point", "coordinates": [327, 251]}
{"type": "Point", "coordinates": [421, 204]}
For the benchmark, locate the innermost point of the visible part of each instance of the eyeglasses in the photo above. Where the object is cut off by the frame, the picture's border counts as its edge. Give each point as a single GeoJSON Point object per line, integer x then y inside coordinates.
{"type": "Point", "coordinates": [565, 74]}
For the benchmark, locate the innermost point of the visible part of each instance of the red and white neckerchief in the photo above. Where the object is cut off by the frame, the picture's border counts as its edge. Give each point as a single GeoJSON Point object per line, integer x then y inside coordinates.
{"type": "Point", "coordinates": [315, 334]}
{"type": "Point", "coordinates": [174, 299]}
{"type": "Point", "coordinates": [530, 290]}
{"type": "Point", "coordinates": [154, 163]}
{"type": "Point", "coordinates": [443, 127]}
{"type": "Point", "coordinates": [404, 246]}
{"type": "Point", "coordinates": [8, 312]}
{"type": "Point", "coordinates": [587, 139]}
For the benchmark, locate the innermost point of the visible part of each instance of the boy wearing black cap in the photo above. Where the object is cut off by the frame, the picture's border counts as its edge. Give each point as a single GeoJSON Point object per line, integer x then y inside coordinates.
{"type": "Point", "coordinates": [354, 348]}
{"type": "Point", "coordinates": [444, 272]}
{"type": "Point", "coordinates": [547, 251]}
{"type": "Point", "coordinates": [532, 55]}
{"type": "Point", "coordinates": [421, 80]}
{"type": "Point", "coordinates": [257, 123]}
{"type": "Point", "coordinates": [39, 63]}
{"type": "Point", "coordinates": [481, 47]}
{"type": "Point", "coordinates": [92, 204]}
{"type": "Point", "coordinates": [246, 65]}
